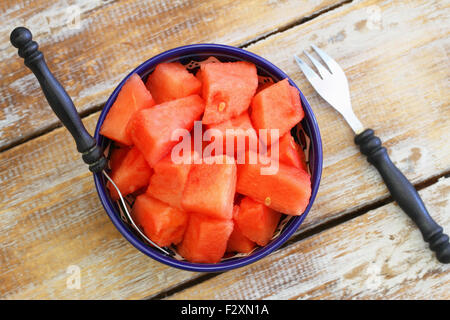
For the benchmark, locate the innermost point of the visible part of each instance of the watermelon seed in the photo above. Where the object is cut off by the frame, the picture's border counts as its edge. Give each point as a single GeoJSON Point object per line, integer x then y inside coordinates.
{"type": "Point", "coordinates": [222, 106]}
{"type": "Point", "coordinates": [268, 201]}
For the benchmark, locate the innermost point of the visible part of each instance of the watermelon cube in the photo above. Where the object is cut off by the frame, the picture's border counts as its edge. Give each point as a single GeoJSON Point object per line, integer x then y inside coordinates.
{"type": "Point", "coordinates": [210, 187]}
{"type": "Point", "coordinates": [210, 59]}
{"type": "Point", "coordinates": [169, 179]}
{"type": "Point", "coordinates": [198, 75]}
{"type": "Point", "coordinates": [295, 95]}
{"type": "Point", "coordinates": [132, 97]}
{"type": "Point", "coordinates": [238, 132]}
{"type": "Point", "coordinates": [276, 108]}
{"type": "Point", "coordinates": [205, 239]}
{"type": "Point", "coordinates": [152, 129]}
{"type": "Point", "coordinates": [238, 242]}
{"type": "Point", "coordinates": [117, 156]}
{"type": "Point", "coordinates": [161, 223]}
{"type": "Point", "coordinates": [287, 191]}
{"type": "Point", "coordinates": [171, 81]}
{"type": "Point", "coordinates": [289, 152]}
{"type": "Point", "coordinates": [131, 174]}
{"type": "Point", "coordinates": [256, 221]}
{"type": "Point", "coordinates": [228, 89]}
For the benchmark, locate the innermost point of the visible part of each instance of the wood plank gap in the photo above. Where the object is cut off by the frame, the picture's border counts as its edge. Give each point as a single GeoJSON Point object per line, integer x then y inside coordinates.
{"type": "Point", "coordinates": [98, 107]}
{"type": "Point", "coordinates": [303, 235]}
{"type": "Point", "coordinates": [380, 255]}
{"type": "Point", "coordinates": [185, 285]}
{"type": "Point", "coordinates": [46, 130]}
{"type": "Point", "coordinates": [358, 212]}
{"type": "Point", "coordinates": [293, 24]}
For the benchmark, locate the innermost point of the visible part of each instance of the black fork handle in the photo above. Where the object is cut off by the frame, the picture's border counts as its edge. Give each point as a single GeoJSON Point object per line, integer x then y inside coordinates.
{"type": "Point", "coordinates": [58, 99]}
{"type": "Point", "coordinates": [404, 193]}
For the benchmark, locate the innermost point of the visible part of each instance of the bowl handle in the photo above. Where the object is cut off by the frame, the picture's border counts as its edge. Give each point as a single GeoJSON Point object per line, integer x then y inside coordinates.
{"type": "Point", "coordinates": [58, 99]}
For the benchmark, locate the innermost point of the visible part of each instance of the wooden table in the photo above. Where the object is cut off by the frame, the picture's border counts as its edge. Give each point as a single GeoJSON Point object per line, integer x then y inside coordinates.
{"type": "Point", "coordinates": [355, 243]}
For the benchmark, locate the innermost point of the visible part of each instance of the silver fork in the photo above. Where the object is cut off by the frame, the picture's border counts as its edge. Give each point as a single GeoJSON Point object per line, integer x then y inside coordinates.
{"type": "Point", "coordinates": [332, 85]}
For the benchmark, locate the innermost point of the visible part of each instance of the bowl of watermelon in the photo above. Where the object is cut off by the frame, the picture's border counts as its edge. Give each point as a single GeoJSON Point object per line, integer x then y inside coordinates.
{"type": "Point", "coordinates": [216, 153]}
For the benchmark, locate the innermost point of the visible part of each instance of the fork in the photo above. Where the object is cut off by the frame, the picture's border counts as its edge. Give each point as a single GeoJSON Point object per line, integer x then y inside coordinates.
{"type": "Point", "coordinates": [332, 85]}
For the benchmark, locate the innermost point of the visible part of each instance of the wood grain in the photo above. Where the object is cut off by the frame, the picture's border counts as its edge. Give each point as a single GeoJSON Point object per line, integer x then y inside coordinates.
{"type": "Point", "coordinates": [51, 217]}
{"type": "Point", "coordinates": [379, 255]}
{"type": "Point", "coordinates": [112, 38]}
{"type": "Point", "coordinates": [395, 56]}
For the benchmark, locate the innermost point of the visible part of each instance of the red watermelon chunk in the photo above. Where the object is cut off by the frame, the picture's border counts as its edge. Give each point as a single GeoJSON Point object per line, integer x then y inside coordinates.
{"type": "Point", "coordinates": [276, 107]}
{"type": "Point", "coordinates": [131, 174]}
{"type": "Point", "coordinates": [132, 97]}
{"type": "Point", "coordinates": [117, 156]}
{"type": "Point", "coordinates": [287, 191]}
{"type": "Point", "coordinates": [171, 81]}
{"type": "Point", "coordinates": [289, 152]}
{"type": "Point", "coordinates": [256, 221]}
{"type": "Point", "coordinates": [228, 89]}
{"type": "Point", "coordinates": [198, 75]}
{"type": "Point", "coordinates": [169, 179]}
{"type": "Point", "coordinates": [243, 137]}
{"type": "Point", "coordinates": [295, 95]}
{"type": "Point", "coordinates": [152, 129]}
{"type": "Point", "coordinates": [205, 239]}
{"type": "Point", "coordinates": [210, 187]}
{"type": "Point", "coordinates": [237, 241]}
{"type": "Point", "coordinates": [163, 224]}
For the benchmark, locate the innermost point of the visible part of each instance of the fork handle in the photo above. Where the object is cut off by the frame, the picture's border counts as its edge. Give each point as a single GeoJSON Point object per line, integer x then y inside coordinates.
{"type": "Point", "coordinates": [404, 193]}
{"type": "Point", "coordinates": [58, 99]}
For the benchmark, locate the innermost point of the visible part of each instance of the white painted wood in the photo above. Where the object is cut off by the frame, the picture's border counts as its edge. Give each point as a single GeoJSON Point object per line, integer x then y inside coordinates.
{"type": "Point", "coordinates": [392, 53]}
{"type": "Point", "coordinates": [111, 39]}
{"type": "Point", "coordinates": [51, 217]}
{"type": "Point", "coordinates": [379, 255]}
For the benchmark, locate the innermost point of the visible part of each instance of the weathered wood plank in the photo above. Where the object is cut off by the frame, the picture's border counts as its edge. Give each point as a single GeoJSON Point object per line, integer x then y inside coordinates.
{"type": "Point", "coordinates": [379, 255]}
{"type": "Point", "coordinates": [51, 218]}
{"type": "Point", "coordinates": [113, 37]}
{"type": "Point", "coordinates": [395, 55]}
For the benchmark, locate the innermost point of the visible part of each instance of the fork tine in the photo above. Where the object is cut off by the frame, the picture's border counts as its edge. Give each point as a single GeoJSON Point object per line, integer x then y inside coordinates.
{"type": "Point", "coordinates": [320, 68]}
{"type": "Point", "coordinates": [331, 64]}
{"type": "Point", "coordinates": [309, 73]}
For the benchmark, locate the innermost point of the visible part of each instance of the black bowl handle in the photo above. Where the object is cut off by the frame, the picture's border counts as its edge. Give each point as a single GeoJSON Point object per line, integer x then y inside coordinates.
{"type": "Point", "coordinates": [58, 98]}
{"type": "Point", "coordinates": [404, 193]}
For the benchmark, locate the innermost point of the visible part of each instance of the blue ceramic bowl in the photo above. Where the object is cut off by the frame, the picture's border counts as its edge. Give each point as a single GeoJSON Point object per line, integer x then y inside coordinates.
{"type": "Point", "coordinates": [265, 68]}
